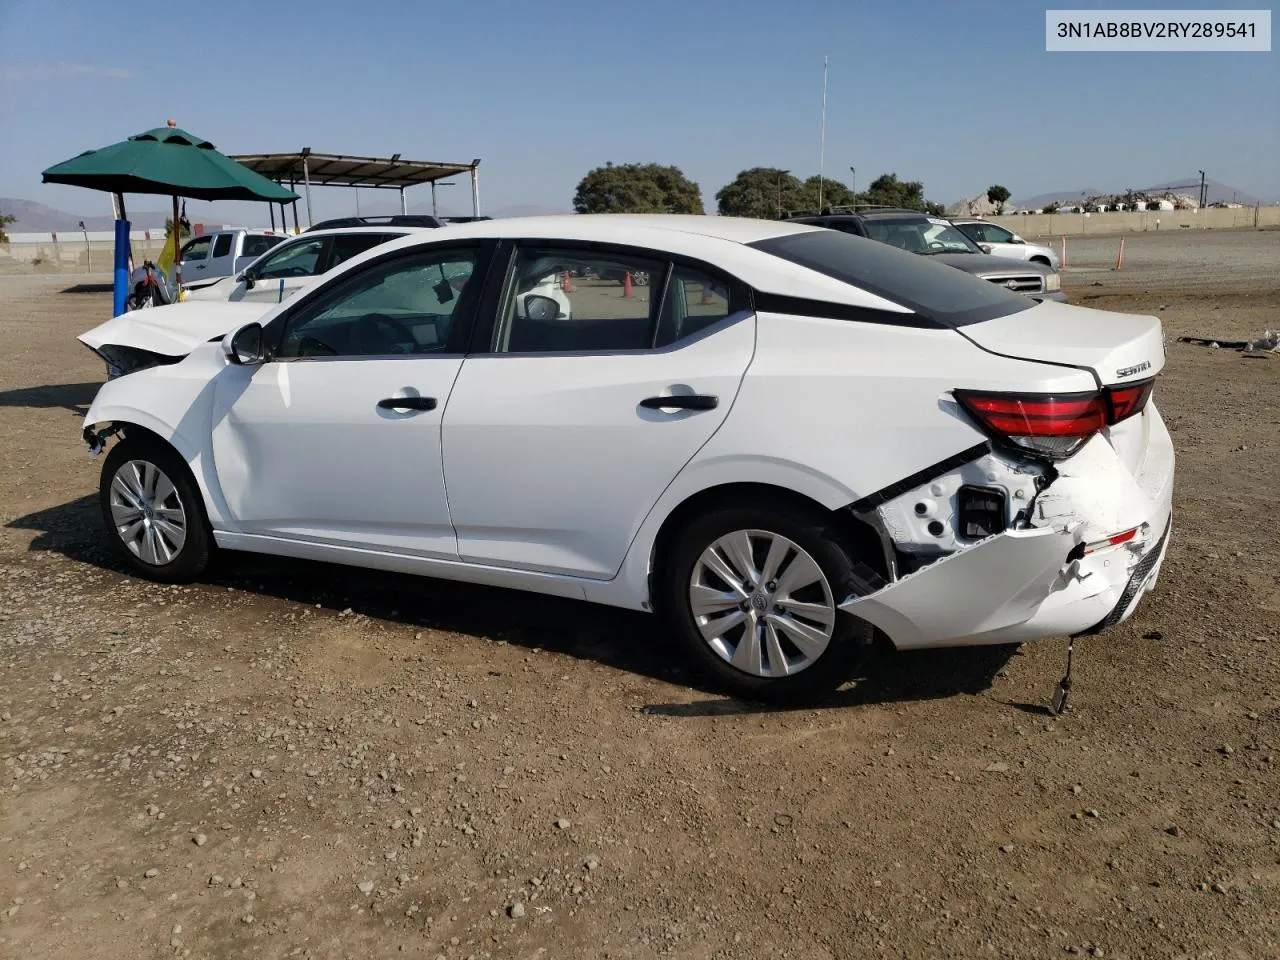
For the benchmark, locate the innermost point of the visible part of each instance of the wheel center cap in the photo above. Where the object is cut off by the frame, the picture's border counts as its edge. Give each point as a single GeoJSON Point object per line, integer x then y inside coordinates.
{"type": "Point", "coordinates": [759, 602]}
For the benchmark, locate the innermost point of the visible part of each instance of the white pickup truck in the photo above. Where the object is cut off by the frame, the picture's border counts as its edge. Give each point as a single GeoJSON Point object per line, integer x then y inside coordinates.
{"type": "Point", "coordinates": [212, 256]}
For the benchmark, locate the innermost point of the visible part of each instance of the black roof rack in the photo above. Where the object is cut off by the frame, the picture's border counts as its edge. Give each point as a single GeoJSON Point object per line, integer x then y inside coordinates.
{"type": "Point", "coordinates": [391, 220]}
{"type": "Point", "coordinates": [852, 208]}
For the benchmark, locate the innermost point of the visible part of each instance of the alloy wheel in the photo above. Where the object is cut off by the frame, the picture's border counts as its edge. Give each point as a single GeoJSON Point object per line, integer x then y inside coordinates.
{"type": "Point", "coordinates": [147, 512]}
{"type": "Point", "coordinates": [762, 603]}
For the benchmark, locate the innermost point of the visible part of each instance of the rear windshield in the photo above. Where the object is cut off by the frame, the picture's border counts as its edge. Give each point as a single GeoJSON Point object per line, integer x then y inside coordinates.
{"type": "Point", "coordinates": [924, 286]}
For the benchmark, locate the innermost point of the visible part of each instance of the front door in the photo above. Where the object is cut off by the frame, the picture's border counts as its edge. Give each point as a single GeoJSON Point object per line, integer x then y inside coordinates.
{"type": "Point", "coordinates": [561, 435]}
{"type": "Point", "coordinates": [282, 272]}
{"type": "Point", "coordinates": [336, 438]}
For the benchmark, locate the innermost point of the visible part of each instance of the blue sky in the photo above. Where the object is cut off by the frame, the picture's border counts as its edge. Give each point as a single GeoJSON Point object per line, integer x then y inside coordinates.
{"type": "Point", "coordinates": [958, 95]}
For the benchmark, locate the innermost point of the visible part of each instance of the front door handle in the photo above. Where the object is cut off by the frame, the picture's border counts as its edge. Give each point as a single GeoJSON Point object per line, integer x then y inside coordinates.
{"type": "Point", "coordinates": [684, 401]}
{"type": "Point", "coordinates": [408, 403]}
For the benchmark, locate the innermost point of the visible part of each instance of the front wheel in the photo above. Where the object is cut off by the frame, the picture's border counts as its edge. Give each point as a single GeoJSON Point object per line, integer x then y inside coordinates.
{"type": "Point", "coordinates": [153, 512]}
{"type": "Point", "coordinates": [752, 592]}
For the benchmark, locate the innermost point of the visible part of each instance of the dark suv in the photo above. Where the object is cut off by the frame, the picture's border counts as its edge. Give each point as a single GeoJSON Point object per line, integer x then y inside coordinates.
{"type": "Point", "coordinates": [932, 236]}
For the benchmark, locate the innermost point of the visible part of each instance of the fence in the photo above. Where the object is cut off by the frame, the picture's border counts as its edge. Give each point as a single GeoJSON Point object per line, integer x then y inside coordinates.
{"type": "Point", "coordinates": [1077, 224]}
{"type": "Point", "coordinates": [70, 251]}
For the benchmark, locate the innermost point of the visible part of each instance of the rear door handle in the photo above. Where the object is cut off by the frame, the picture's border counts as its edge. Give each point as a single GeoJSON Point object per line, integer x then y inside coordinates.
{"type": "Point", "coordinates": [685, 401]}
{"type": "Point", "coordinates": [408, 403]}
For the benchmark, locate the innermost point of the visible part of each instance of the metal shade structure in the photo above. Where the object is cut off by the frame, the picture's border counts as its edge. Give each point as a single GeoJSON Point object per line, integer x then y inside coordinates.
{"type": "Point", "coordinates": [343, 170]}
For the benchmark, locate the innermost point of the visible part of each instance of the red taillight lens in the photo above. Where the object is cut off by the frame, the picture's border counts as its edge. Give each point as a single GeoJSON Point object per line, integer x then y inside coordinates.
{"type": "Point", "coordinates": [1125, 401]}
{"type": "Point", "coordinates": [1049, 425]}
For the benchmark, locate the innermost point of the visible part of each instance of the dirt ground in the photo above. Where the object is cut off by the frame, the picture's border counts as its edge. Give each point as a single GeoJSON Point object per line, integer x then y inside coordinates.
{"type": "Point", "coordinates": [292, 759]}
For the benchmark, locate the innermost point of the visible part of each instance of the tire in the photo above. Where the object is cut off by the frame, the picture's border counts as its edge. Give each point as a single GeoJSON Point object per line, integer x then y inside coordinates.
{"type": "Point", "coordinates": [166, 539]}
{"type": "Point", "coordinates": [831, 643]}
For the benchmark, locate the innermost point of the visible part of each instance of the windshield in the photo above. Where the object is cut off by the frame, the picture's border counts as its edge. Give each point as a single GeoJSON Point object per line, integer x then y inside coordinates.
{"type": "Point", "coordinates": [921, 235]}
{"type": "Point", "coordinates": [926, 287]}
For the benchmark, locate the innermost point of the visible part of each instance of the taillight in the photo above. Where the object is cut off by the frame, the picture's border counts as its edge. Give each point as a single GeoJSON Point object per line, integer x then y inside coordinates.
{"type": "Point", "coordinates": [1053, 425]}
{"type": "Point", "coordinates": [1127, 400]}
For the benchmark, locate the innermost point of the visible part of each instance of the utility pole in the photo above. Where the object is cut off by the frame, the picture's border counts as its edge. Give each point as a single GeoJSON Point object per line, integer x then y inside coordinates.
{"type": "Point", "coordinates": [822, 150]}
{"type": "Point", "coordinates": [781, 174]}
{"type": "Point", "coordinates": [853, 182]}
{"type": "Point", "coordinates": [1203, 195]}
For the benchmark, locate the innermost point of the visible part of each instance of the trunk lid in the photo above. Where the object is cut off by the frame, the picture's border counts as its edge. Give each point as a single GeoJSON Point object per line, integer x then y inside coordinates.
{"type": "Point", "coordinates": [1119, 348]}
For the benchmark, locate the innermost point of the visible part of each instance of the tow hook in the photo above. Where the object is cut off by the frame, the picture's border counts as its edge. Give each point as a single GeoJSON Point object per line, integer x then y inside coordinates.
{"type": "Point", "coordinates": [97, 439]}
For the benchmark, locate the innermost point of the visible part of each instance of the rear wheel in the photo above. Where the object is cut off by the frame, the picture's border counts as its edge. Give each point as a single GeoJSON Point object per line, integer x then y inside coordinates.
{"type": "Point", "coordinates": [752, 592]}
{"type": "Point", "coordinates": [153, 512]}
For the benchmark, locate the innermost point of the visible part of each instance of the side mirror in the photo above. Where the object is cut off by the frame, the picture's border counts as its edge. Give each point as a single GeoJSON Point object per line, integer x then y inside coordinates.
{"type": "Point", "coordinates": [538, 307]}
{"type": "Point", "coordinates": [243, 347]}
{"type": "Point", "coordinates": [1016, 239]}
{"type": "Point", "coordinates": [247, 279]}
{"type": "Point", "coordinates": [986, 247]}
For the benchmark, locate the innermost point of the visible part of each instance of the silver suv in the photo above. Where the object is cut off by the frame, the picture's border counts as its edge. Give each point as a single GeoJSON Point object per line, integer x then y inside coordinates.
{"type": "Point", "coordinates": [938, 237]}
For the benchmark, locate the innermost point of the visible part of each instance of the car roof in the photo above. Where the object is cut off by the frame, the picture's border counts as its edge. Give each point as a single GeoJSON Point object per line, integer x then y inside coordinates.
{"type": "Point", "coordinates": [620, 226]}
{"type": "Point", "coordinates": [340, 231]}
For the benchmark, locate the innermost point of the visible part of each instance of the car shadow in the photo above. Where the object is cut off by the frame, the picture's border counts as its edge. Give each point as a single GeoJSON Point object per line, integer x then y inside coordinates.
{"type": "Point", "coordinates": [89, 288]}
{"type": "Point", "coordinates": [620, 639]}
{"type": "Point", "coordinates": [75, 397]}
{"type": "Point", "coordinates": [887, 676]}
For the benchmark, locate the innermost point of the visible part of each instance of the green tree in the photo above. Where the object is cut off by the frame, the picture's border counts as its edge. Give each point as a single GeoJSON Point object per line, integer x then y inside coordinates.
{"type": "Point", "coordinates": [888, 190]}
{"type": "Point", "coordinates": [998, 195]}
{"type": "Point", "coordinates": [637, 188]}
{"type": "Point", "coordinates": [762, 192]}
{"type": "Point", "coordinates": [833, 192]}
{"type": "Point", "coordinates": [183, 226]}
{"type": "Point", "coordinates": [767, 192]}
{"type": "Point", "coordinates": [5, 220]}
{"type": "Point", "coordinates": [1052, 207]}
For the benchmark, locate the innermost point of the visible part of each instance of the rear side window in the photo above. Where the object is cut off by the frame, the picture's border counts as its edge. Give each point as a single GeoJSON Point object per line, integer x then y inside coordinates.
{"type": "Point", "coordinates": [222, 245]}
{"type": "Point", "coordinates": [931, 289]}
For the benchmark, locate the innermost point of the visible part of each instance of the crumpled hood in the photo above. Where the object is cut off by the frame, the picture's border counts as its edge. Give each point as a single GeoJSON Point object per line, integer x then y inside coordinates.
{"type": "Point", "coordinates": [176, 329]}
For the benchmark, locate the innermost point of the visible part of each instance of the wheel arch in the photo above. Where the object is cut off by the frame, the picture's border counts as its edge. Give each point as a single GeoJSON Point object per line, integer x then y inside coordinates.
{"type": "Point", "coordinates": [859, 537]}
{"type": "Point", "coordinates": [134, 422]}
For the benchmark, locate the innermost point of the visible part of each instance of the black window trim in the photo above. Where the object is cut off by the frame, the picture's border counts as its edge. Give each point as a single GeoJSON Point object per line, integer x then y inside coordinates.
{"type": "Point", "coordinates": [327, 290]}
{"type": "Point", "coordinates": [502, 269]}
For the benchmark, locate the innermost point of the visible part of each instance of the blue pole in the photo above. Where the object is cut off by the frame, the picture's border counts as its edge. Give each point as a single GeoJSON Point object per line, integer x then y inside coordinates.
{"type": "Point", "coordinates": [121, 289]}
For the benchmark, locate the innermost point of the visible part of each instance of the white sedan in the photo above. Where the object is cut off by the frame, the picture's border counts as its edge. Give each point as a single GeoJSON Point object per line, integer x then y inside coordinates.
{"type": "Point", "coordinates": [284, 270]}
{"type": "Point", "coordinates": [789, 439]}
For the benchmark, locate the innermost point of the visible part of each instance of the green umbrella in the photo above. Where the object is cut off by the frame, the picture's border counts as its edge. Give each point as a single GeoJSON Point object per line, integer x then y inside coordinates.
{"type": "Point", "coordinates": [169, 161]}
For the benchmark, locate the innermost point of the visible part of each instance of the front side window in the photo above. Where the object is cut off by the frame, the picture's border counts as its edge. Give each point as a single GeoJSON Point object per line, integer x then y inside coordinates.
{"type": "Point", "coordinates": [570, 300]}
{"type": "Point", "coordinates": [929, 288]}
{"type": "Point", "coordinates": [403, 306]}
{"type": "Point", "coordinates": [197, 249]}
{"type": "Point", "coordinates": [294, 260]}
{"type": "Point", "coordinates": [222, 245]}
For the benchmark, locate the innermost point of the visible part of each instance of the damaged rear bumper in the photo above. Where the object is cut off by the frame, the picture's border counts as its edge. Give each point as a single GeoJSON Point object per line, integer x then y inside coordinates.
{"type": "Point", "coordinates": [1056, 576]}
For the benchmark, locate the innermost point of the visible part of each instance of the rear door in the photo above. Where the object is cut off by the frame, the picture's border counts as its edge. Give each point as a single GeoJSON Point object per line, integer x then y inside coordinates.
{"type": "Point", "coordinates": [565, 426]}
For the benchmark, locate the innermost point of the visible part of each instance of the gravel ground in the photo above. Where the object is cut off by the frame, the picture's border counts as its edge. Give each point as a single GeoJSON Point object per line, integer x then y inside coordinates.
{"type": "Point", "coordinates": [292, 759]}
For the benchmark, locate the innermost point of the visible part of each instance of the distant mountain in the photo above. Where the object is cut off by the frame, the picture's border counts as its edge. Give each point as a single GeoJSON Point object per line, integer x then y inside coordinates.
{"type": "Point", "coordinates": [39, 218]}
{"type": "Point", "coordinates": [1218, 193]}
